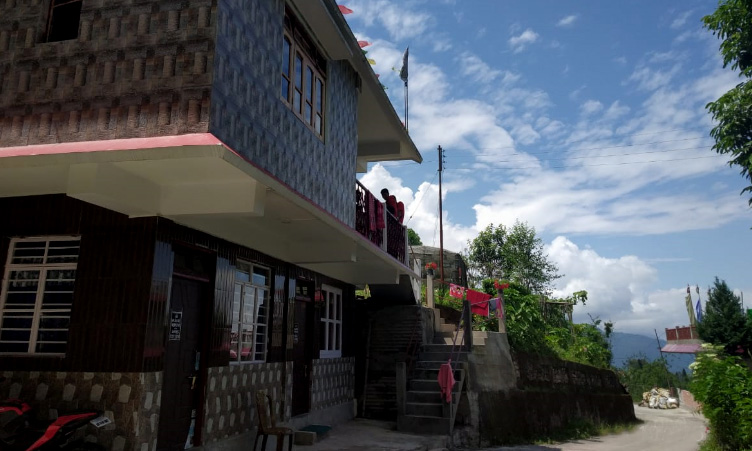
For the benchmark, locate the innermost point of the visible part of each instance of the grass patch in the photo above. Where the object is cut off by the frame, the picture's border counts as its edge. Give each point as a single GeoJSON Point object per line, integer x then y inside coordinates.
{"type": "Point", "coordinates": [582, 428]}
{"type": "Point", "coordinates": [710, 443]}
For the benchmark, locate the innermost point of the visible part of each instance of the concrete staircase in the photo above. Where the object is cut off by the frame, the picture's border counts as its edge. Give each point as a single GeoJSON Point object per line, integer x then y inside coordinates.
{"type": "Point", "coordinates": [424, 410]}
{"type": "Point", "coordinates": [444, 333]}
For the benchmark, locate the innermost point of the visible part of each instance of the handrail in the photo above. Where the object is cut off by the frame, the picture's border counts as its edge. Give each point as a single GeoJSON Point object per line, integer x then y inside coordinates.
{"type": "Point", "coordinates": [411, 345]}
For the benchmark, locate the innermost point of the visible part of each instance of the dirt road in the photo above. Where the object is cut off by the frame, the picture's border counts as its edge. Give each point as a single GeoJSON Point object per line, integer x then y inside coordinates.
{"type": "Point", "coordinates": [675, 430]}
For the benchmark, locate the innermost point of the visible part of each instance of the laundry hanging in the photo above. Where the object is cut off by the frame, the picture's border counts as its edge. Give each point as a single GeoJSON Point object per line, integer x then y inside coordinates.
{"type": "Point", "coordinates": [456, 291]}
{"type": "Point", "coordinates": [478, 302]}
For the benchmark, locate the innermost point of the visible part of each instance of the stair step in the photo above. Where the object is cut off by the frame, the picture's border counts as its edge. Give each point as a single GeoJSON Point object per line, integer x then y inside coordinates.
{"type": "Point", "coordinates": [431, 396]}
{"type": "Point", "coordinates": [456, 356]}
{"type": "Point", "coordinates": [427, 409]}
{"type": "Point", "coordinates": [433, 374]}
{"type": "Point", "coordinates": [426, 385]}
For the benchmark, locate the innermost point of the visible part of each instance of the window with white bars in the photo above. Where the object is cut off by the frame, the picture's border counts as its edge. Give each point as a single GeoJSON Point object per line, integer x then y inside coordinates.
{"type": "Point", "coordinates": [37, 295]}
{"type": "Point", "coordinates": [331, 322]}
{"type": "Point", "coordinates": [250, 313]}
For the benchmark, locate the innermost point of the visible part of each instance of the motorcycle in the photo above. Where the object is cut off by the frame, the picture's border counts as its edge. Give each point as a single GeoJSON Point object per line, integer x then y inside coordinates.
{"type": "Point", "coordinates": [19, 431]}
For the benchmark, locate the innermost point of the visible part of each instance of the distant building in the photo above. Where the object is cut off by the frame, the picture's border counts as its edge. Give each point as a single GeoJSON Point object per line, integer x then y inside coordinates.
{"type": "Point", "coordinates": [455, 268]}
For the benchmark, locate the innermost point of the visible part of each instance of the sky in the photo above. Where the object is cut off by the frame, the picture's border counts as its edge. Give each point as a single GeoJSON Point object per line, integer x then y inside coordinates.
{"type": "Point", "coordinates": [587, 121]}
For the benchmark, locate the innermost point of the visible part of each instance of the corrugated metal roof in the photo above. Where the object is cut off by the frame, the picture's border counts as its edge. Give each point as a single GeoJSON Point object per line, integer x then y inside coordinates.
{"type": "Point", "coordinates": [682, 349]}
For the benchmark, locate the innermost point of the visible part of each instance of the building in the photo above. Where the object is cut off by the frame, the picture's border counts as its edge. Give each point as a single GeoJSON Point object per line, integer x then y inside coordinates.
{"type": "Point", "coordinates": [181, 223]}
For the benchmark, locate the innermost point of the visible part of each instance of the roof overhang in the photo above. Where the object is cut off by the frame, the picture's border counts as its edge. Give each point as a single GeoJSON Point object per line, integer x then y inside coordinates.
{"type": "Point", "coordinates": [693, 348]}
{"type": "Point", "coordinates": [198, 181]}
{"type": "Point", "coordinates": [381, 134]}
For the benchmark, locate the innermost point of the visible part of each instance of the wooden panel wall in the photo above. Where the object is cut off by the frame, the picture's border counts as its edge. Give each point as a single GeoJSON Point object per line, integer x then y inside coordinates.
{"type": "Point", "coordinates": [108, 318]}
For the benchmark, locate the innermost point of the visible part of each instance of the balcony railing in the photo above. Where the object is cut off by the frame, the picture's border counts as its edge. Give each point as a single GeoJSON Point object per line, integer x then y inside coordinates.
{"type": "Point", "coordinates": [373, 221]}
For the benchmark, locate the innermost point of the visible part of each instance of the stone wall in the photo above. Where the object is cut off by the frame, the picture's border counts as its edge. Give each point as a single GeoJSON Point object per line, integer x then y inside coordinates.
{"type": "Point", "coordinates": [512, 399]}
{"type": "Point", "coordinates": [333, 382]}
{"type": "Point", "coordinates": [130, 400]}
{"type": "Point", "coordinates": [230, 407]}
{"type": "Point", "coordinates": [249, 115]}
{"type": "Point", "coordinates": [136, 69]}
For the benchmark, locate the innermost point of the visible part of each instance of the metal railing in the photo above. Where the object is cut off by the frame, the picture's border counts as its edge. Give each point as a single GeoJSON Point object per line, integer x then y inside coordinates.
{"type": "Point", "coordinates": [379, 226]}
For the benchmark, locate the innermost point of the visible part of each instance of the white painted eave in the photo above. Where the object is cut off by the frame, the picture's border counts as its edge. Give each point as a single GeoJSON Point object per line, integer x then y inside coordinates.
{"type": "Point", "coordinates": [205, 186]}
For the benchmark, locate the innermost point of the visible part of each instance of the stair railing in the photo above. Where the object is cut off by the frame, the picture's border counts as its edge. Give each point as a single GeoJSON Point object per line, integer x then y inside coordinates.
{"type": "Point", "coordinates": [414, 344]}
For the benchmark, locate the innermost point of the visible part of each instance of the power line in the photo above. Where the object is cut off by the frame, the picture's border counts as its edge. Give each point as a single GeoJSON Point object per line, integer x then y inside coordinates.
{"type": "Point", "coordinates": [421, 200]}
{"type": "Point", "coordinates": [595, 148]}
{"type": "Point", "coordinates": [614, 164]}
{"type": "Point", "coordinates": [613, 154]}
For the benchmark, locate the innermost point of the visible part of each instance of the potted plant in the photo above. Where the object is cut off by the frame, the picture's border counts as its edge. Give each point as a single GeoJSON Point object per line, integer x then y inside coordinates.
{"type": "Point", "coordinates": [430, 268]}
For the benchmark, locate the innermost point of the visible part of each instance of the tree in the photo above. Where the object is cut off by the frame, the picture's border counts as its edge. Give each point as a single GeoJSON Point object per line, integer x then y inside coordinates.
{"type": "Point", "coordinates": [413, 239]}
{"type": "Point", "coordinates": [723, 322]}
{"type": "Point", "coordinates": [732, 22]}
{"type": "Point", "coordinates": [640, 375]}
{"type": "Point", "coordinates": [515, 254]}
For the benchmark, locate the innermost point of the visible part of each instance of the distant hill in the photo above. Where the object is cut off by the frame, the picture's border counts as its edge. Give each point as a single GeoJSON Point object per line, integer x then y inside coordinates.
{"type": "Point", "coordinates": [625, 346]}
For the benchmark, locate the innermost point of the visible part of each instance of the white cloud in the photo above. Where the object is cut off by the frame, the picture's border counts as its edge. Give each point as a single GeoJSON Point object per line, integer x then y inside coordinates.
{"type": "Point", "coordinates": [399, 21]}
{"type": "Point", "coordinates": [619, 289]}
{"type": "Point", "coordinates": [472, 66]}
{"type": "Point", "coordinates": [622, 60]}
{"type": "Point", "coordinates": [591, 107]}
{"type": "Point", "coordinates": [680, 20]}
{"type": "Point", "coordinates": [519, 43]}
{"type": "Point", "coordinates": [648, 79]}
{"type": "Point", "coordinates": [567, 21]}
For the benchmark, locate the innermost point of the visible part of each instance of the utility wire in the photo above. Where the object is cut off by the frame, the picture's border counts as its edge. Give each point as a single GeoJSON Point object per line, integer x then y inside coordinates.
{"type": "Point", "coordinates": [420, 200]}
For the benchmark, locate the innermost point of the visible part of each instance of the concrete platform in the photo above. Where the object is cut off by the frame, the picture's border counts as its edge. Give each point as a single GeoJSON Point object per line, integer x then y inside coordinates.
{"type": "Point", "coordinates": [362, 435]}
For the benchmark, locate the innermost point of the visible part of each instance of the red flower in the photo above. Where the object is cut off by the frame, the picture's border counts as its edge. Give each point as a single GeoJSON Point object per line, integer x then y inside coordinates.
{"type": "Point", "coordinates": [500, 286]}
{"type": "Point", "coordinates": [431, 265]}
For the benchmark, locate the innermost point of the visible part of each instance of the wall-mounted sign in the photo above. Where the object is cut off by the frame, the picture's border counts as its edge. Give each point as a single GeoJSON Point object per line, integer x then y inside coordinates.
{"type": "Point", "coordinates": [295, 333]}
{"type": "Point", "coordinates": [176, 324]}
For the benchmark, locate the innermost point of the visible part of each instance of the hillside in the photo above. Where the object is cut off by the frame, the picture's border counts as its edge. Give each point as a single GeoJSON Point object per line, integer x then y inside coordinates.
{"type": "Point", "coordinates": [625, 346]}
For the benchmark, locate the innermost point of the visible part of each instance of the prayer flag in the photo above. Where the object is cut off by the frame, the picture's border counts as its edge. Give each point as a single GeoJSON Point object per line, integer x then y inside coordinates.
{"type": "Point", "coordinates": [403, 71]}
{"type": "Point", "coordinates": [344, 9]}
{"type": "Point", "coordinates": [698, 307]}
{"type": "Point", "coordinates": [363, 44]}
{"type": "Point", "coordinates": [456, 291]}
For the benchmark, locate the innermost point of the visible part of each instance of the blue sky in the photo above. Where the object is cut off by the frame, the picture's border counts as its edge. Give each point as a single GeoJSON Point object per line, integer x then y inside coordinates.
{"type": "Point", "coordinates": [584, 119]}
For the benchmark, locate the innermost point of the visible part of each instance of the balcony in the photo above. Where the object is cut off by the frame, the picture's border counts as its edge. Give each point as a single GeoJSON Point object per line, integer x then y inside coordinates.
{"type": "Point", "coordinates": [682, 334]}
{"type": "Point", "coordinates": [376, 224]}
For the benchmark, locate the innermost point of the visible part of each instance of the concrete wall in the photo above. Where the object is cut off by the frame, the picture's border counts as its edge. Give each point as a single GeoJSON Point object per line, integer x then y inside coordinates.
{"type": "Point", "coordinates": [136, 69]}
{"type": "Point", "coordinates": [514, 398]}
{"type": "Point", "coordinates": [249, 115]}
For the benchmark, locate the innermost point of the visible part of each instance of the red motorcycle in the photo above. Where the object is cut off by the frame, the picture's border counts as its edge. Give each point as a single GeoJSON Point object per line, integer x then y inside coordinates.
{"type": "Point", "coordinates": [20, 432]}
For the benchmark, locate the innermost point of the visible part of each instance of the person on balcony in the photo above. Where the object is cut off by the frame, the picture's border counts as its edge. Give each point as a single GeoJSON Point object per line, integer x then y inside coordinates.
{"type": "Point", "coordinates": [391, 202]}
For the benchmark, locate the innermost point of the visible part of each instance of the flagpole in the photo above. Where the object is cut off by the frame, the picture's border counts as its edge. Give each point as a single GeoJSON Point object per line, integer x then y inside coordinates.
{"type": "Point", "coordinates": [407, 128]}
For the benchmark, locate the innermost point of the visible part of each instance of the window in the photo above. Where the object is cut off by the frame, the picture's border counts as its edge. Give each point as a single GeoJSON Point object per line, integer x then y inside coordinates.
{"type": "Point", "coordinates": [63, 20]}
{"type": "Point", "coordinates": [331, 322]}
{"type": "Point", "coordinates": [303, 82]}
{"type": "Point", "coordinates": [37, 295]}
{"type": "Point", "coordinates": [250, 314]}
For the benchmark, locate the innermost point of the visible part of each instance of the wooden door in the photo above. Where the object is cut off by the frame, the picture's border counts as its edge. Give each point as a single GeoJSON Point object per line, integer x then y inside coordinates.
{"type": "Point", "coordinates": [180, 388]}
{"type": "Point", "coordinates": [302, 350]}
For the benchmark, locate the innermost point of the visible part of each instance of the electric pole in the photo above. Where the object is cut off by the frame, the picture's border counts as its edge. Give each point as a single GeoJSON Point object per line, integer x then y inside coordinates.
{"type": "Point", "coordinates": [441, 219]}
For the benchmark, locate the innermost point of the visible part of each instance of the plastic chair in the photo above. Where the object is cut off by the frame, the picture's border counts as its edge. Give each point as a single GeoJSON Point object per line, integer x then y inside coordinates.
{"type": "Point", "coordinates": [267, 423]}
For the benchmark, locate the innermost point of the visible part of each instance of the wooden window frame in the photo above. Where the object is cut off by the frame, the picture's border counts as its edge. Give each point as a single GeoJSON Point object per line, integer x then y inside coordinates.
{"type": "Point", "coordinates": [312, 89]}
{"type": "Point", "coordinates": [331, 322]}
{"type": "Point", "coordinates": [38, 310]}
{"type": "Point", "coordinates": [51, 15]}
{"type": "Point", "coordinates": [257, 327]}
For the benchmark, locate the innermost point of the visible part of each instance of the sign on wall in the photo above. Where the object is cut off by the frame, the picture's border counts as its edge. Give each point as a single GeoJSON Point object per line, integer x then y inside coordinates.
{"type": "Point", "coordinates": [176, 324]}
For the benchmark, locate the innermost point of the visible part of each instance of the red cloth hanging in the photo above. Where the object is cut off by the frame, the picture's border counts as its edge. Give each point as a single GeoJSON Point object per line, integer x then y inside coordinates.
{"type": "Point", "coordinates": [370, 201]}
{"type": "Point", "coordinates": [379, 214]}
{"type": "Point", "coordinates": [478, 302]}
{"type": "Point", "coordinates": [446, 381]}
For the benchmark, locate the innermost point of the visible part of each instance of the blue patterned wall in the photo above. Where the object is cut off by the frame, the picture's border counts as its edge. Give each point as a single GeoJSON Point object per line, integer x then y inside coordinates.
{"type": "Point", "coordinates": [249, 116]}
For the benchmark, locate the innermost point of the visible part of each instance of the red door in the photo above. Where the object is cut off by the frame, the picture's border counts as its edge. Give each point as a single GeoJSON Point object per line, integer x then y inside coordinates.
{"type": "Point", "coordinates": [180, 388]}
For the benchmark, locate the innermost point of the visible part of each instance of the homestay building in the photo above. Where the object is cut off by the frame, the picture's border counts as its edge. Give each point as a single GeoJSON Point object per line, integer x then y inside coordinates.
{"type": "Point", "coordinates": [182, 225]}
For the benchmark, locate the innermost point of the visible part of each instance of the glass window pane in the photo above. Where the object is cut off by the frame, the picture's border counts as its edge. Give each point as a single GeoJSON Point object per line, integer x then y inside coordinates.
{"type": "Point", "coordinates": [52, 335]}
{"type": "Point", "coordinates": [309, 84]}
{"type": "Point", "coordinates": [242, 276]}
{"type": "Point", "coordinates": [16, 321]}
{"type": "Point", "coordinates": [296, 101]}
{"type": "Point", "coordinates": [317, 124]}
{"type": "Point", "coordinates": [51, 348]}
{"type": "Point", "coordinates": [14, 347]}
{"type": "Point", "coordinates": [15, 335]}
{"type": "Point", "coordinates": [236, 303]}
{"type": "Point", "coordinates": [261, 276]}
{"type": "Point", "coordinates": [54, 322]}
{"type": "Point", "coordinates": [319, 95]}
{"type": "Point", "coordinates": [307, 114]}
{"type": "Point", "coordinates": [286, 57]}
{"type": "Point", "coordinates": [298, 71]}
{"type": "Point", "coordinates": [248, 307]}
{"type": "Point", "coordinates": [15, 301]}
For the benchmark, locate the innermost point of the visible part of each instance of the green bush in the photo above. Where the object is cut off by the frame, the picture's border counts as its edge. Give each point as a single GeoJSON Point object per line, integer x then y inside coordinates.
{"type": "Point", "coordinates": [723, 386]}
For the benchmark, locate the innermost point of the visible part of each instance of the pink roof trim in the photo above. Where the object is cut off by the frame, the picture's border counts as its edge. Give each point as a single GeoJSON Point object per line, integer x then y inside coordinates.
{"type": "Point", "coordinates": [193, 139]}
